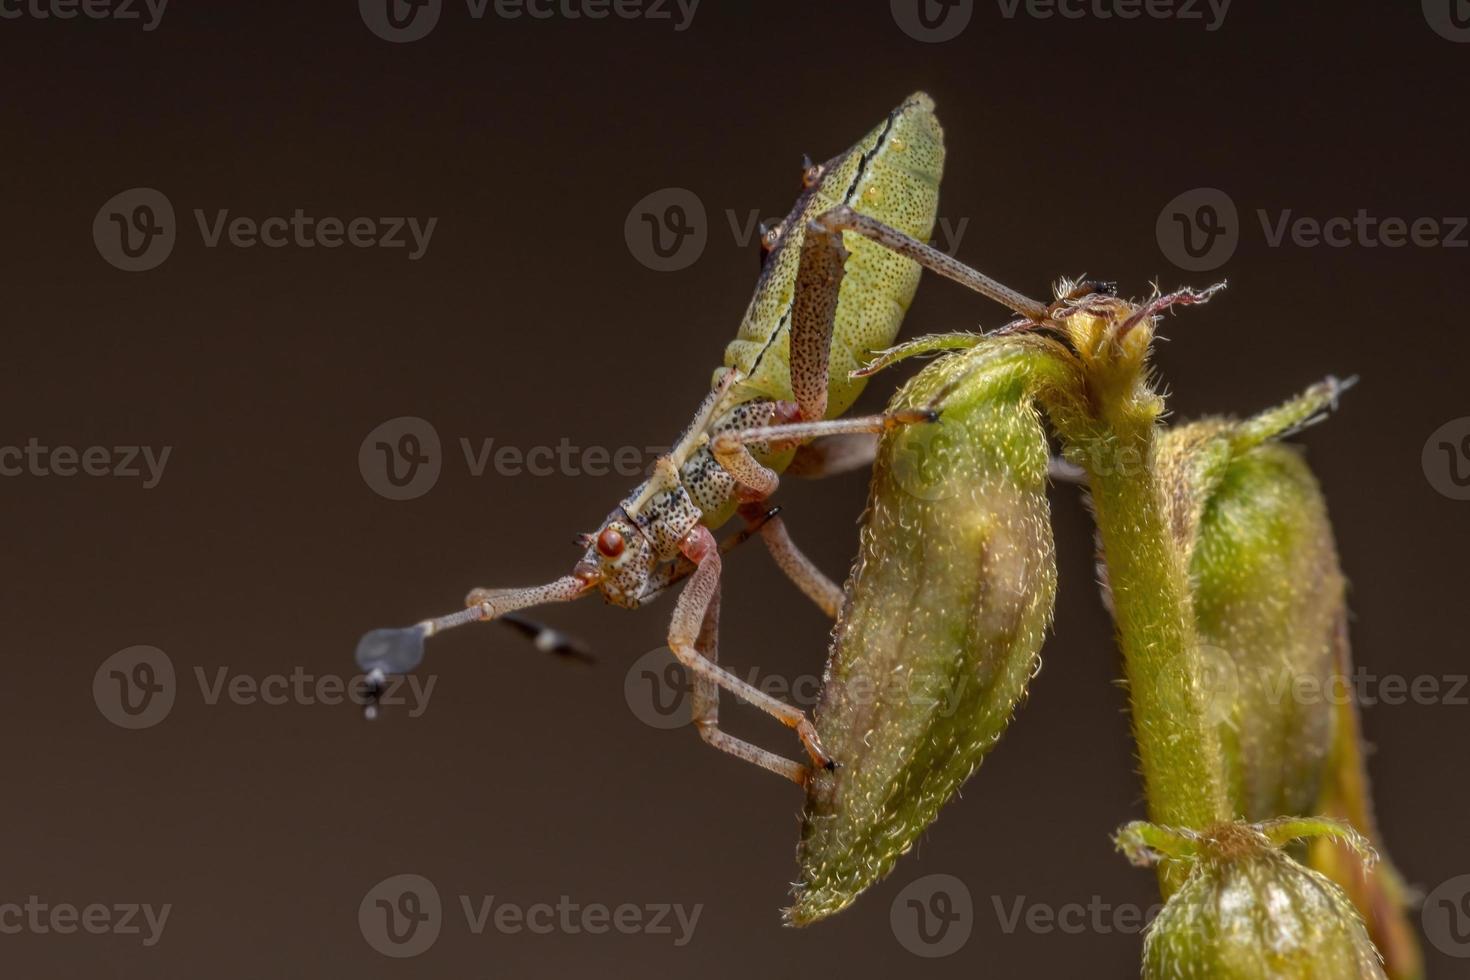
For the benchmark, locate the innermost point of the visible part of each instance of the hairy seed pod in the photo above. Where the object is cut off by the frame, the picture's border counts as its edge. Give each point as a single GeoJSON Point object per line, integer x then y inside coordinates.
{"type": "Point", "coordinates": [1267, 597]}
{"type": "Point", "coordinates": [1248, 911]}
{"type": "Point", "coordinates": [1271, 612]}
{"type": "Point", "coordinates": [946, 609]}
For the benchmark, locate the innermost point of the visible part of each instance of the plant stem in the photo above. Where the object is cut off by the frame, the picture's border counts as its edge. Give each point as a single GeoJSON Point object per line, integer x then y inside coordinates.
{"type": "Point", "coordinates": [1178, 745]}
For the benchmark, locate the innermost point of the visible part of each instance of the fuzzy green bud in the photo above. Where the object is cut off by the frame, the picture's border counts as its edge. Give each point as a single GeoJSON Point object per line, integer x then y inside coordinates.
{"type": "Point", "coordinates": [947, 607]}
{"type": "Point", "coordinates": [1270, 609]}
{"type": "Point", "coordinates": [1248, 911]}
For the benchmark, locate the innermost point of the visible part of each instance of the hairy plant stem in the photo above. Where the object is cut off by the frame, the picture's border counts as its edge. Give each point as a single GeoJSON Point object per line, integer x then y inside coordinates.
{"type": "Point", "coordinates": [1178, 745]}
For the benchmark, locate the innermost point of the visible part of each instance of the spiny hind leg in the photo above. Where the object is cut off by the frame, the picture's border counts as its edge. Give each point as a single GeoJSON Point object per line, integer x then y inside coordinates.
{"type": "Point", "coordinates": [813, 320]}
{"type": "Point", "coordinates": [684, 632]}
{"type": "Point", "coordinates": [705, 702]}
{"type": "Point", "coordinates": [819, 277]}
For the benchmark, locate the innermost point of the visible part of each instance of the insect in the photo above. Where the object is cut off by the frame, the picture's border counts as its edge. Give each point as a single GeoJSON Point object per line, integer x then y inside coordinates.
{"type": "Point", "coordinates": [952, 594]}
{"type": "Point", "coordinates": [786, 378]}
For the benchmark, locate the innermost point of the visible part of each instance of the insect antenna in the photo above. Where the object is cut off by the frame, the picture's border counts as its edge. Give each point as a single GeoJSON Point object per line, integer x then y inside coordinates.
{"type": "Point", "coordinates": [384, 652]}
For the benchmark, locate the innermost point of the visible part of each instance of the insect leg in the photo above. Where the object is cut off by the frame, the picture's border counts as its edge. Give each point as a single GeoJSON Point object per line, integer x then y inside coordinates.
{"type": "Point", "coordinates": [834, 455]}
{"type": "Point", "coordinates": [705, 702]}
{"type": "Point", "coordinates": [813, 317]}
{"type": "Point", "coordinates": [807, 577]}
{"type": "Point", "coordinates": [677, 571]}
{"type": "Point", "coordinates": [689, 614]}
{"type": "Point", "coordinates": [843, 218]}
{"type": "Point", "coordinates": [727, 446]}
{"type": "Point", "coordinates": [756, 481]}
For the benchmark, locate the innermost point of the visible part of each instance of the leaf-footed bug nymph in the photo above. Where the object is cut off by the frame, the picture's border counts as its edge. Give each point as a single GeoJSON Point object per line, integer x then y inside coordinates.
{"type": "Point", "coordinates": [820, 307]}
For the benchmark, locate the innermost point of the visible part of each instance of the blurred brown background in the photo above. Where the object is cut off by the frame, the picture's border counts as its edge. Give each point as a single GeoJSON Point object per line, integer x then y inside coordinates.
{"type": "Point", "coordinates": [529, 320]}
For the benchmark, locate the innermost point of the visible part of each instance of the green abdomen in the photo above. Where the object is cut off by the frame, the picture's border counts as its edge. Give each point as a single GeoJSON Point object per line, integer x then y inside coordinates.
{"type": "Point", "coordinates": [892, 174]}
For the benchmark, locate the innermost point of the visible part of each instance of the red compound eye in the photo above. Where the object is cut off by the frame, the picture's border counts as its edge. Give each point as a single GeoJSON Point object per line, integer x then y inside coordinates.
{"type": "Point", "coordinates": [609, 543]}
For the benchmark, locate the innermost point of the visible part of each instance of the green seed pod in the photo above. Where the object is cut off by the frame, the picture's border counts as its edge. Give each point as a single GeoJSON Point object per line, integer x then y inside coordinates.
{"type": "Point", "coordinates": [1248, 911]}
{"type": "Point", "coordinates": [1267, 596]}
{"type": "Point", "coordinates": [946, 609]}
{"type": "Point", "coordinates": [1271, 613]}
